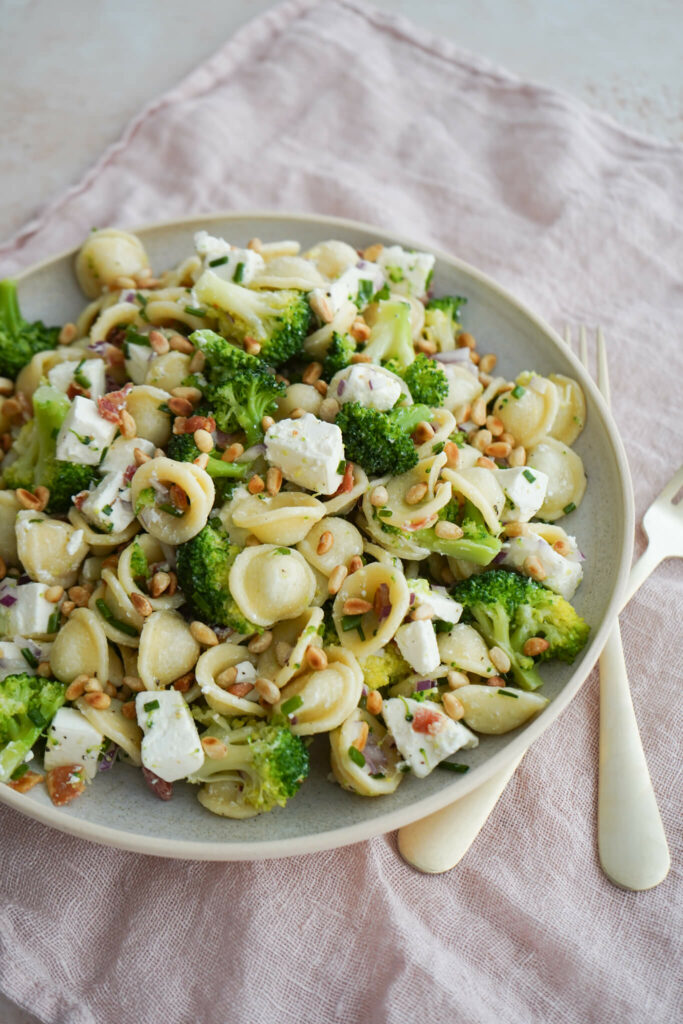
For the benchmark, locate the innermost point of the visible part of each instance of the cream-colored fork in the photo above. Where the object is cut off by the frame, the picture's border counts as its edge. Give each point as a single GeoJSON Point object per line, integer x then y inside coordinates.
{"type": "Point", "coordinates": [632, 843]}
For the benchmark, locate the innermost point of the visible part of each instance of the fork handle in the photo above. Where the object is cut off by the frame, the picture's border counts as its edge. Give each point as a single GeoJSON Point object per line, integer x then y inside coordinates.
{"type": "Point", "coordinates": [647, 563]}
{"type": "Point", "coordinates": [631, 841]}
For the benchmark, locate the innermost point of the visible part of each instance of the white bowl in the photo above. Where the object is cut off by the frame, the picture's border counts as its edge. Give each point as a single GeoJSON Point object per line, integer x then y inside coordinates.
{"type": "Point", "coordinates": [119, 810]}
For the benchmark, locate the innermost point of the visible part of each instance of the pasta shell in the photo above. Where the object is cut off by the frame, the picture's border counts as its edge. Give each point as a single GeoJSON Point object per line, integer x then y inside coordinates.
{"type": "Point", "coordinates": [113, 632]}
{"type": "Point", "coordinates": [347, 541]}
{"type": "Point", "coordinates": [316, 344]}
{"type": "Point", "coordinates": [9, 506]}
{"type": "Point", "coordinates": [300, 633]}
{"type": "Point", "coordinates": [288, 272]}
{"type": "Point", "coordinates": [494, 710]}
{"type": "Point", "coordinates": [167, 649]}
{"type": "Point", "coordinates": [407, 516]}
{"type": "Point", "coordinates": [210, 664]}
{"type": "Point", "coordinates": [107, 254]}
{"type": "Point", "coordinates": [329, 695]}
{"type": "Point", "coordinates": [168, 371]}
{"type": "Point", "coordinates": [443, 424]}
{"type": "Point", "coordinates": [374, 632]}
{"type": "Point", "coordinates": [285, 518]}
{"type": "Point", "coordinates": [341, 504]}
{"type": "Point", "coordinates": [479, 486]}
{"type": "Point", "coordinates": [365, 779]}
{"type": "Point", "coordinates": [50, 551]}
{"type": "Point", "coordinates": [38, 368]}
{"type": "Point", "coordinates": [528, 415]}
{"type": "Point", "coordinates": [197, 485]}
{"type": "Point", "coordinates": [154, 554]}
{"type": "Point", "coordinates": [270, 583]}
{"type": "Point", "coordinates": [464, 649]}
{"type": "Point", "coordinates": [113, 724]}
{"type": "Point", "coordinates": [566, 477]}
{"type": "Point", "coordinates": [571, 413]}
{"type": "Point", "coordinates": [223, 798]}
{"type": "Point", "coordinates": [463, 389]}
{"type": "Point", "coordinates": [298, 396]}
{"type": "Point", "coordinates": [80, 648]}
{"type": "Point", "coordinates": [144, 403]}
{"type": "Point", "coordinates": [101, 543]}
{"type": "Point", "coordinates": [115, 316]}
{"type": "Point", "coordinates": [332, 258]}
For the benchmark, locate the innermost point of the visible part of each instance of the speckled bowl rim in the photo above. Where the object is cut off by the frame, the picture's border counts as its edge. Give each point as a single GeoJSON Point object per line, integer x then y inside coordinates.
{"type": "Point", "coordinates": [463, 784]}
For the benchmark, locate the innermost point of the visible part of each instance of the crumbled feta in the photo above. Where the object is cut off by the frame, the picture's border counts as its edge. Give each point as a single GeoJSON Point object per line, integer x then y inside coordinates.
{"type": "Point", "coordinates": [74, 542]}
{"type": "Point", "coordinates": [30, 613]}
{"type": "Point", "coordinates": [370, 385]}
{"type": "Point", "coordinates": [84, 434]}
{"type": "Point", "coordinates": [240, 265]}
{"type": "Point", "coordinates": [170, 746]}
{"type": "Point", "coordinates": [443, 606]}
{"type": "Point", "coordinates": [407, 273]}
{"type": "Point", "coordinates": [417, 643]}
{"type": "Point", "coordinates": [309, 452]}
{"type": "Point", "coordinates": [246, 672]}
{"type": "Point", "coordinates": [524, 491]}
{"type": "Point", "coordinates": [121, 455]}
{"type": "Point", "coordinates": [12, 661]}
{"type": "Point", "coordinates": [423, 733]}
{"type": "Point", "coordinates": [91, 370]}
{"type": "Point", "coordinates": [357, 284]}
{"type": "Point", "coordinates": [71, 739]}
{"type": "Point", "coordinates": [562, 575]}
{"type": "Point", "coordinates": [137, 360]}
{"type": "Point", "coordinates": [109, 506]}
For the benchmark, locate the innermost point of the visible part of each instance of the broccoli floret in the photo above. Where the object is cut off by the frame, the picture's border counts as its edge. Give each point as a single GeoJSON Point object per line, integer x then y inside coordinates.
{"type": "Point", "coordinates": [19, 339]}
{"type": "Point", "coordinates": [278, 320]}
{"type": "Point", "coordinates": [139, 566]}
{"type": "Point", "coordinates": [391, 335]}
{"type": "Point", "coordinates": [222, 357]}
{"type": "Point", "coordinates": [508, 609]}
{"type": "Point", "coordinates": [381, 442]}
{"type": "Point", "coordinates": [271, 761]}
{"type": "Point", "coordinates": [204, 564]}
{"type": "Point", "coordinates": [225, 475]}
{"type": "Point", "coordinates": [338, 356]}
{"type": "Point", "coordinates": [243, 401]}
{"type": "Point", "coordinates": [27, 706]}
{"type": "Point", "coordinates": [441, 321]}
{"type": "Point", "coordinates": [477, 543]}
{"type": "Point", "coordinates": [426, 381]}
{"type": "Point", "coordinates": [384, 668]}
{"type": "Point", "coordinates": [35, 447]}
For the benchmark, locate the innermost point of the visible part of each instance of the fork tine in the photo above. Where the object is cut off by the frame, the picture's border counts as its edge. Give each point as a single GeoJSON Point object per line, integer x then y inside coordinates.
{"type": "Point", "coordinates": [674, 485]}
{"type": "Point", "coordinates": [583, 347]}
{"type": "Point", "coordinates": [603, 372]}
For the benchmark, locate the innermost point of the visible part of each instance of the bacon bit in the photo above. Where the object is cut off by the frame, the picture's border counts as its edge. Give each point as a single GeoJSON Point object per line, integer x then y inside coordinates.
{"type": "Point", "coordinates": [420, 524]}
{"type": "Point", "coordinates": [160, 788]}
{"type": "Point", "coordinates": [129, 473]}
{"type": "Point", "coordinates": [178, 497]}
{"type": "Point", "coordinates": [240, 689]}
{"type": "Point", "coordinates": [109, 407]}
{"type": "Point", "coordinates": [427, 721]}
{"type": "Point", "coordinates": [75, 389]}
{"type": "Point", "coordinates": [183, 683]}
{"type": "Point", "coordinates": [27, 781]}
{"type": "Point", "coordinates": [193, 423]}
{"type": "Point", "coordinates": [79, 498]}
{"type": "Point", "coordinates": [65, 783]}
{"type": "Point", "coordinates": [116, 336]}
{"type": "Point", "coordinates": [347, 483]}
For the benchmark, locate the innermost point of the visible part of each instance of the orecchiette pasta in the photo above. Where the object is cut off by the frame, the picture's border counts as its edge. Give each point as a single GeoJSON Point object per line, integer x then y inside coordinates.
{"type": "Point", "coordinates": [154, 556]}
{"type": "Point", "coordinates": [332, 258]}
{"type": "Point", "coordinates": [209, 667]}
{"type": "Point", "coordinates": [50, 551]}
{"type": "Point", "coordinates": [328, 696]}
{"type": "Point", "coordinates": [101, 543]}
{"type": "Point", "coordinates": [338, 541]}
{"type": "Point", "coordinates": [463, 389]}
{"type": "Point", "coordinates": [316, 344]}
{"type": "Point", "coordinates": [405, 513]}
{"type": "Point", "coordinates": [9, 506]}
{"type": "Point", "coordinates": [283, 518]}
{"type": "Point", "coordinates": [379, 772]}
{"type": "Point", "coordinates": [288, 272]}
{"type": "Point", "coordinates": [286, 655]}
{"type": "Point", "coordinates": [387, 593]}
{"type": "Point", "coordinates": [195, 483]}
{"type": "Point", "coordinates": [110, 605]}
{"type": "Point", "coordinates": [167, 649]}
{"type": "Point", "coordinates": [34, 372]}
{"type": "Point", "coordinates": [223, 798]}
{"type": "Point", "coordinates": [571, 412]}
{"type": "Point", "coordinates": [168, 371]}
{"type": "Point", "coordinates": [107, 255]}
{"type": "Point", "coordinates": [489, 709]}
{"type": "Point", "coordinates": [298, 396]}
{"type": "Point", "coordinates": [113, 724]}
{"type": "Point", "coordinates": [566, 477]}
{"type": "Point", "coordinates": [114, 316]}
{"type": "Point", "coordinates": [80, 648]}
{"type": "Point", "coordinates": [340, 504]}
{"type": "Point", "coordinates": [148, 407]}
{"type": "Point", "coordinates": [529, 410]}
{"type": "Point", "coordinates": [464, 649]}
{"type": "Point", "coordinates": [270, 583]}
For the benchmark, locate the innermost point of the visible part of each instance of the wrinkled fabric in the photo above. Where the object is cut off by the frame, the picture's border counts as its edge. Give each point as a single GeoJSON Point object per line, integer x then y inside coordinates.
{"type": "Point", "coordinates": [335, 108]}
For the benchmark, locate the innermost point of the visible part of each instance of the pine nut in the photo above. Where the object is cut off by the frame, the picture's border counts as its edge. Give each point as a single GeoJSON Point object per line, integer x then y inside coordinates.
{"type": "Point", "coordinates": [141, 604]}
{"type": "Point", "coordinates": [266, 423]}
{"type": "Point", "coordinates": [448, 531]}
{"type": "Point", "coordinates": [495, 681]}
{"type": "Point", "coordinates": [192, 395]}
{"type": "Point", "coordinates": [360, 357]}
{"type": "Point", "coordinates": [496, 426]}
{"type": "Point", "coordinates": [321, 387]}
{"type": "Point", "coordinates": [110, 689]}
{"type": "Point", "coordinates": [423, 611]}
{"type": "Point", "coordinates": [516, 529]}
{"type": "Point", "coordinates": [415, 494]}
{"type": "Point", "coordinates": [197, 362]}
{"type": "Point", "coordinates": [465, 340]}
{"type": "Point", "coordinates": [482, 439]}
{"type": "Point", "coordinates": [256, 244]}
{"type": "Point", "coordinates": [379, 496]}
{"type": "Point", "coordinates": [447, 576]}
{"type": "Point", "coordinates": [140, 457]}
{"type": "Point", "coordinates": [251, 541]}
{"type": "Point", "coordinates": [202, 460]}
{"type": "Point", "coordinates": [180, 406]}
{"type": "Point", "coordinates": [178, 497]}
{"type": "Point", "coordinates": [127, 424]}
{"type": "Point", "coordinates": [214, 748]}
{"type": "Point", "coordinates": [485, 379]}
{"type": "Point", "coordinates": [93, 685]}
{"type": "Point", "coordinates": [67, 608]}
{"type": "Point", "coordinates": [321, 306]}
{"type": "Point", "coordinates": [203, 440]}
{"type": "Point", "coordinates": [356, 606]}
{"type": "Point", "coordinates": [374, 702]}
{"type": "Point", "coordinates": [457, 679]}
{"type": "Point", "coordinates": [362, 737]}
{"type": "Point", "coordinates": [452, 453]}
{"type": "Point", "coordinates": [178, 428]}
{"type": "Point", "coordinates": [423, 432]}
{"type": "Point", "coordinates": [381, 600]}
{"type": "Point", "coordinates": [252, 346]}
{"type": "Point", "coordinates": [329, 409]}
{"type": "Point", "coordinates": [337, 577]}
{"type": "Point", "coordinates": [54, 594]}
{"type": "Point", "coordinates": [316, 659]}
{"type": "Point", "coordinates": [183, 683]}
{"type": "Point", "coordinates": [488, 362]}
{"type": "Point", "coordinates": [312, 373]}
{"type": "Point", "coordinates": [158, 343]}
{"type": "Point", "coordinates": [99, 701]}
{"type": "Point", "coordinates": [426, 346]}
{"type": "Point", "coordinates": [233, 452]}
{"type": "Point", "coordinates": [453, 706]}
{"type": "Point", "coordinates": [355, 564]}
{"type": "Point", "coordinates": [67, 334]}
{"type": "Point", "coordinates": [505, 436]}
{"type": "Point", "coordinates": [134, 683]}
{"type": "Point", "coordinates": [478, 414]}
{"type": "Point", "coordinates": [273, 480]}
{"type": "Point", "coordinates": [268, 690]}
{"type": "Point", "coordinates": [297, 413]}
{"type": "Point", "coordinates": [240, 689]}
{"type": "Point", "coordinates": [80, 595]}
{"type": "Point", "coordinates": [75, 689]}
{"type": "Point", "coordinates": [44, 669]}
{"type": "Point", "coordinates": [203, 634]}
{"type": "Point", "coordinates": [325, 543]}
{"type": "Point", "coordinates": [6, 386]}
{"type": "Point", "coordinates": [373, 252]}
{"type": "Point", "coordinates": [28, 500]}
{"type": "Point", "coordinates": [465, 414]}
{"type": "Point", "coordinates": [181, 344]}
{"type": "Point", "coordinates": [128, 710]}
{"type": "Point", "coordinates": [227, 677]}
{"type": "Point", "coordinates": [517, 456]}
{"type": "Point", "coordinates": [500, 659]}
{"type": "Point", "coordinates": [533, 567]}
{"type": "Point", "coordinates": [359, 330]}
{"type": "Point", "coordinates": [259, 644]}
{"type": "Point", "coordinates": [282, 652]}
{"type": "Point", "coordinates": [535, 645]}
{"type": "Point", "coordinates": [562, 548]}
{"type": "Point", "coordinates": [255, 485]}
{"type": "Point", "coordinates": [498, 450]}
{"type": "Point", "coordinates": [485, 463]}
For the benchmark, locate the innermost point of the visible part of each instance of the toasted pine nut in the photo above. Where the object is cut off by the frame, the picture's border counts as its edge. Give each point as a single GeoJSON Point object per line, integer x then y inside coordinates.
{"type": "Point", "coordinates": [297, 413]}
{"type": "Point", "coordinates": [111, 562]}
{"type": "Point", "coordinates": [485, 463]}
{"type": "Point", "coordinates": [337, 577]}
{"type": "Point", "coordinates": [75, 689]}
{"type": "Point", "coordinates": [374, 702]}
{"type": "Point", "coordinates": [203, 634]}
{"type": "Point", "coordinates": [240, 689]}
{"type": "Point", "coordinates": [80, 595]}
{"type": "Point", "coordinates": [202, 460]}
{"type": "Point", "coordinates": [259, 644]}
{"type": "Point", "coordinates": [465, 414]}
{"type": "Point", "coordinates": [562, 547]}
{"type": "Point", "coordinates": [141, 604]}
{"type": "Point", "coordinates": [415, 494]}
{"type": "Point", "coordinates": [423, 432]}
{"type": "Point", "coordinates": [282, 652]}
{"type": "Point", "coordinates": [255, 485]}
{"type": "Point", "coordinates": [498, 450]}
{"type": "Point", "coordinates": [356, 606]}
{"type": "Point", "coordinates": [134, 683]}
{"type": "Point", "coordinates": [478, 414]}
{"type": "Point", "coordinates": [256, 244]}
{"type": "Point", "coordinates": [110, 689]}
{"type": "Point", "coordinates": [251, 541]}
{"type": "Point", "coordinates": [127, 424]}
{"type": "Point", "coordinates": [452, 453]}
{"type": "Point", "coordinates": [359, 330]}
{"type": "Point", "coordinates": [373, 252]}
{"type": "Point", "coordinates": [495, 681]}
{"type": "Point", "coordinates": [192, 395]}
{"type": "Point", "coordinates": [355, 564]}
{"type": "Point", "coordinates": [322, 307]}
{"type": "Point", "coordinates": [495, 425]}
{"type": "Point", "coordinates": [67, 608]}
{"type": "Point", "coordinates": [533, 567]}
{"type": "Point", "coordinates": [6, 386]}
{"type": "Point", "coordinates": [180, 406]}
{"type": "Point", "coordinates": [93, 685]}
{"type": "Point", "coordinates": [252, 346]}
{"type": "Point", "coordinates": [482, 439]}
{"type": "Point", "coordinates": [44, 669]}
{"type": "Point", "coordinates": [517, 456]}
{"type": "Point", "coordinates": [197, 362]}
{"type": "Point", "coordinates": [178, 497]}
{"type": "Point", "coordinates": [488, 362]}
{"type": "Point", "coordinates": [379, 496]}
{"type": "Point", "coordinates": [128, 710]}
{"type": "Point", "coordinates": [227, 677]}
{"type": "Point", "coordinates": [500, 659]}
{"type": "Point", "coordinates": [457, 679]}
{"type": "Point", "coordinates": [316, 658]}
{"type": "Point", "coordinates": [233, 452]}
{"type": "Point", "coordinates": [312, 373]}
{"type": "Point", "coordinates": [325, 543]}
{"type": "Point", "coordinates": [203, 440]}
{"type": "Point", "coordinates": [140, 457]}
{"type": "Point", "coordinates": [99, 701]}
{"type": "Point", "coordinates": [273, 480]}
{"type": "Point", "coordinates": [426, 346]}
{"type": "Point", "coordinates": [362, 737]}
{"type": "Point", "coordinates": [516, 529]}
{"type": "Point", "coordinates": [158, 342]}
{"type": "Point", "coordinates": [423, 611]}
{"type": "Point", "coordinates": [181, 344]}
{"type": "Point", "coordinates": [453, 706]}
{"type": "Point", "coordinates": [67, 334]}
{"type": "Point", "coordinates": [329, 408]}
{"type": "Point", "coordinates": [321, 387]}
{"type": "Point", "coordinates": [183, 683]}
{"type": "Point", "coordinates": [360, 357]}
{"type": "Point", "coordinates": [465, 340]}
{"type": "Point", "coordinates": [266, 423]}
{"type": "Point", "coordinates": [54, 594]}
{"type": "Point", "coordinates": [268, 690]}
{"type": "Point", "coordinates": [535, 645]}
{"type": "Point", "coordinates": [28, 500]}
{"type": "Point", "coordinates": [485, 379]}
{"type": "Point", "coordinates": [214, 748]}
{"type": "Point", "coordinates": [506, 436]}
{"type": "Point", "coordinates": [178, 428]}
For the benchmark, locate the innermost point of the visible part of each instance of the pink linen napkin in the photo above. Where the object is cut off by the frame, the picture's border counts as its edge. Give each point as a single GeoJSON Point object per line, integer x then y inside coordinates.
{"type": "Point", "coordinates": [335, 108]}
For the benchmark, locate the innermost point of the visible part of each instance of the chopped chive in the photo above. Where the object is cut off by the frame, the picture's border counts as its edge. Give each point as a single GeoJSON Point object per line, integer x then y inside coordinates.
{"type": "Point", "coordinates": [239, 273]}
{"type": "Point", "coordinates": [569, 508]}
{"type": "Point", "coordinates": [151, 705]}
{"type": "Point", "coordinates": [341, 468]}
{"type": "Point", "coordinates": [170, 509]}
{"type": "Point", "coordinates": [438, 447]}
{"type": "Point", "coordinates": [19, 772]}
{"type": "Point", "coordinates": [364, 295]}
{"type": "Point", "coordinates": [53, 622]}
{"type": "Point", "coordinates": [108, 615]}
{"type": "Point", "coordinates": [195, 311]}
{"type": "Point", "coordinates": [107, 510]}
{"type": "Point", "coordinates": [383, 293]}
{"type": "Point", "coordinates": [356, 756]}
{"type": "Point", "coordinates": [218, 262]}
{"type": "Point", "coordinates": [291, 705]}
{"type": "Point", "coordinates": [350, 622]}
{"type": "Point", "coordinates": [528, 475]}
{"type": "Point", "coordinates": [453, 766]}
{"type": "Point", "coordinates": [518, 391]}
{"type": "Point", "coordinates": [506, 693]}
{"type": "Point", "coordinates": [283, 551]}
{"type": "Point", "coordinates": [29, 657]}
{"type": "Point", "coordinates": [378, 775]}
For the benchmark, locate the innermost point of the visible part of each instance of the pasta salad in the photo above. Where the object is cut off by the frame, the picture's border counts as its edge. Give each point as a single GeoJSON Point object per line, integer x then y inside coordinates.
{"type": "Point", "coordinates": [265, 495]}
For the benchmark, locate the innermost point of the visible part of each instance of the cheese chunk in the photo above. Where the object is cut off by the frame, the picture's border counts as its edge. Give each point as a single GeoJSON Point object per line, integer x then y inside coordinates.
{"type": "Point", "coordinates": [417, 643]}
{"type": "Point", "coordinates": [84, 434]}
{"type": "Point", "coordinates": [170, 747]}
{"type": "Point", "coordinates": [30, 613]}
{"type": "Point", "coordinates": [109, 506]}
{"type": "Point", "coordinates": [91, 370]}
{"type": "Point", "coordinates": [370, 385]}
{"type": "Point", "coordinates": [423, 733]}
{"type": "Point", "coordinates": [308, 451]}
{"type": "Point", "coordinates": [246, 672]}
{"type": "Point", "coordinates": [562, 575]}
{"type": "Point", "coordinates": [407, 273]}
{"type": "Point", "coordinates": [121, 455]}
{"type": "Point", "coordinates": [137, 360]}
{"type": "Point", "coordinates": [71, 739]}
{"type": "Point", "coordinates": [238, 265]}
{"type": "Point", "coordinates": [443, 606]}
{"type": "Point", "coordinates": [524, 491]}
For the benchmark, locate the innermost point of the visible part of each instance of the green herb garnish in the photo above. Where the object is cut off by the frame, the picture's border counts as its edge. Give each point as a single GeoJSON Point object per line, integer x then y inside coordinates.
{"type": "Point", "coordinates": [518, 391]}
{"type": "Point", "coordinates": [506, 693]}
{"type": "Point", "coordinates": [356, 756]}
{"type": "Point", "coordinates": [144, 500]}
{"type": "Point", "coordinates": [569, 508]}
{"type": "Point", "coordinates": [195, 311]}
{"type": "Point", "coordinates": [291, 705]}
{"type": "Point", "coordinates": [453, 766]}
{"type": "Point", "coordinates": [218, 262]}
{"type": "Point", "coordinates": [528, 475]}
{"type": "Point", "coordinates": [108, 615]}
{"type": "Point", "coordinates": [151, 705]}
{"type": "Point", "coordinates": [239, 273]}
{"type": "Point", "coordinates": [29, 657]}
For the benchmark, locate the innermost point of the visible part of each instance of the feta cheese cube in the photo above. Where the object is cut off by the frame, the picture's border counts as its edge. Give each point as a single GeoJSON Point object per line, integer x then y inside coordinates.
{"type": "Point", "coordinates": [121, 454]}
{"type": "Point", "coordinates": [84, 434]}
{"type": "Point", "coordinates": [170, 746]}
{"type": "Point", "coordinates": [246, 672]}
{"type": "Point", "coordinates": [357, 284]}
{"type": "Point", "coordinates": [443, 606]}
{"type": "Point", "coordinates": [372, 386]}
{"type": "Point", "coordinates": [91, 370]}
{"type": "Point", "coordinates": [524, 491]}
{"type": "Point", "coordinates": [109, 506]}
{"type": "Point", "coordinates": [417, 643]}
{"type": "Point", "coordinates": [30, 613]}
{"type": "Point", "coordinates": [238, 265]}
{"type": "Point", "coordinates": [407, 273]}
{"type": "Point", "coordinates": [562, 575]}
{"type": "Point", "coordinates": [12, 661]}
{"type": "Point", "coordinates": [137, 360]}
{"type": "Point", "coordinates": [423, 733]}
{"type": "Point", "coordinates": [71, 739]}
{"type": "Point", "coordinates": [308, 451]}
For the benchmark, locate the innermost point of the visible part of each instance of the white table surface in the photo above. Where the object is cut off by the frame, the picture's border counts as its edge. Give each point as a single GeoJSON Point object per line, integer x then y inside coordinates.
{"type": "Point", "coordinates": [73, 74]}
